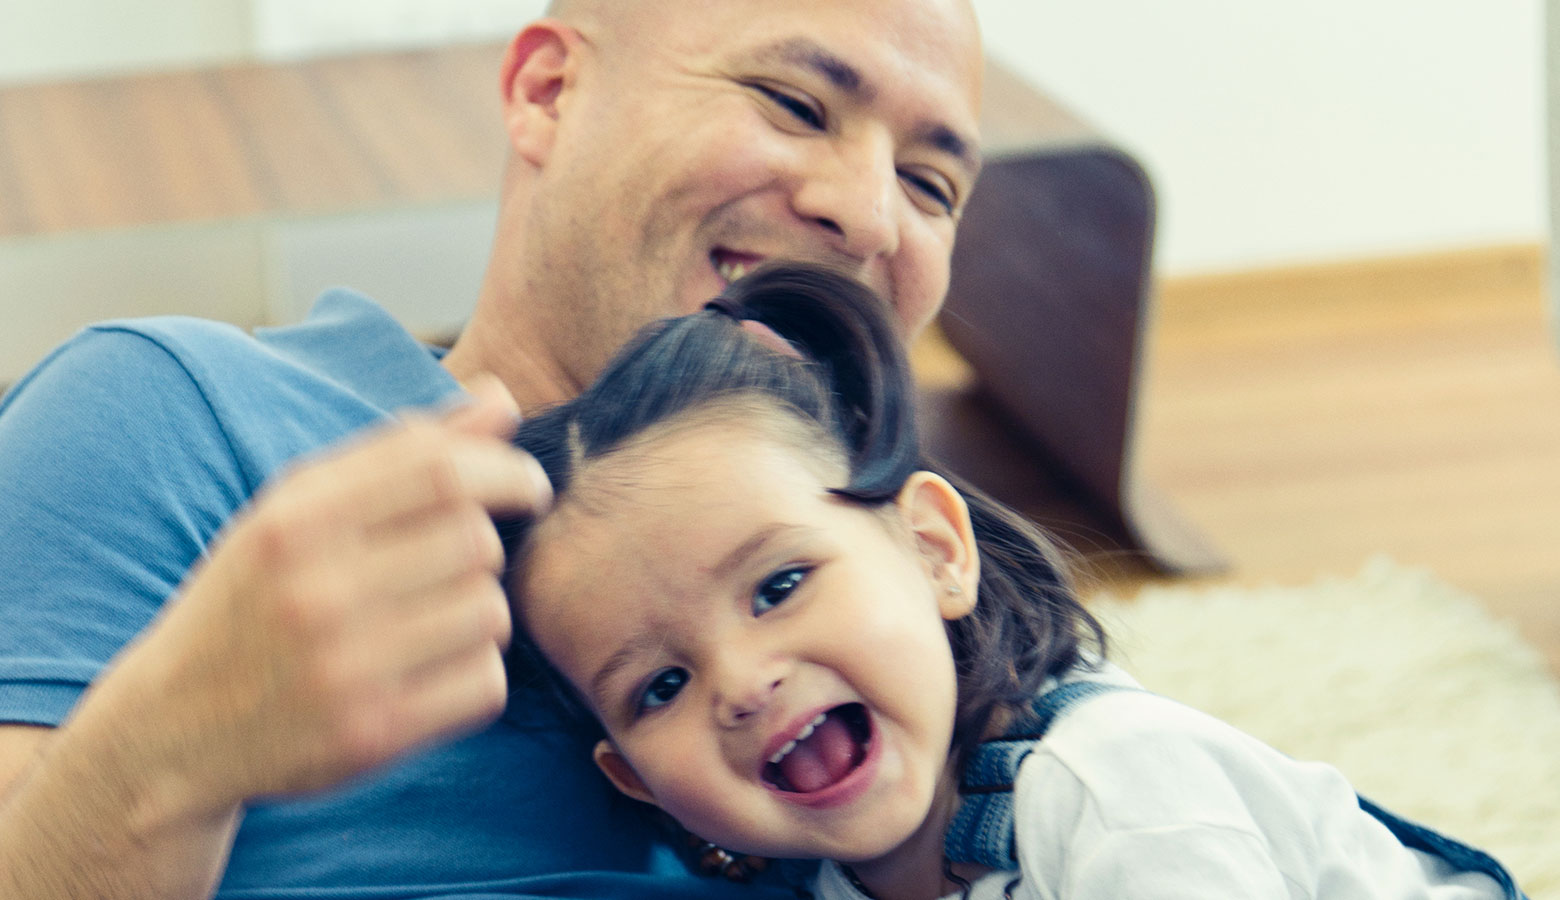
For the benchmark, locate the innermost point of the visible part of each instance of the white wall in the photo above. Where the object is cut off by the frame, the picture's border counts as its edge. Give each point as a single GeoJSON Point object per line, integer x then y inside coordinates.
{"type": "Point", "coordinates": [1552, 104]}
{"type": "Point", "coordinates": [1275, 131]}
{"type": "Point", "coordinates": [287, 29]}
{"type": "Point", "coordinates": [41, 39]}
{"type": "Point", "coordinates": [1282, 131]}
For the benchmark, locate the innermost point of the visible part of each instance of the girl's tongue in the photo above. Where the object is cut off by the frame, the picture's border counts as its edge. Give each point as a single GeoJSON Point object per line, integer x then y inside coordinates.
{"type": "Point", "coordinates": [826, 756]}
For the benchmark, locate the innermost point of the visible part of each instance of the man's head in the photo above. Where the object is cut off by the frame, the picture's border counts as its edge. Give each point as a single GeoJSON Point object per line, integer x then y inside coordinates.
{"type": "Point", "coordinates": [661, 146]}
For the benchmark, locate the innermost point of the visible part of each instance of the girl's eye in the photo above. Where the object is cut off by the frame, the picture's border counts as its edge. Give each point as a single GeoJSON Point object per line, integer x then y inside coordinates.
{"type": "Point", "coordinates": [773, 591]}
{"type": "Point", "coordinates": [931, 190]}
{"type": "Point", "coordinates": [663, 688]}
{"type": "Point", "coordinates": [801, 109]}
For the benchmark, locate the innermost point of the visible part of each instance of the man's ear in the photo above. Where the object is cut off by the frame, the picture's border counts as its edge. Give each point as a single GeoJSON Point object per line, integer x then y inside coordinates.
{"type": "Point", "coordinates": [939, 520]}
{"type": "Point", "coordinates": [539, 67]}
{"type": "Point", "coordinates": [618, 771]}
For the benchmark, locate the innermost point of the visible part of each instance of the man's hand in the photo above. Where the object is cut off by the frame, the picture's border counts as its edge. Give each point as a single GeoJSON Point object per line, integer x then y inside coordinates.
{"type": "Point", "coordinates": [352, 614]}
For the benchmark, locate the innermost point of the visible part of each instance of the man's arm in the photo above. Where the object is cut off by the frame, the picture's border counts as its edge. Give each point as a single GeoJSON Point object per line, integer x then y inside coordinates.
{"type": "Point", "coordinates": [67, 823]}
{"type": "Point", "coordinates": [351, 615]}
{"type": "Point", "coordinates": [18, 745]}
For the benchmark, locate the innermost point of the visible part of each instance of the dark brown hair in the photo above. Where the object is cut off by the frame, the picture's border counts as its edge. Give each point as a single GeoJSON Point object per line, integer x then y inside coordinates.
{"type": "Point", "coordinates": [850, 381]}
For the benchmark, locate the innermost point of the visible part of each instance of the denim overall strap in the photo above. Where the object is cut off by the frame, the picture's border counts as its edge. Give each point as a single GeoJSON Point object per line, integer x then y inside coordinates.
{"type": "Point", "coordinates": [1459, 856]}
{"type": "Point", "coordinates": [982, 829]}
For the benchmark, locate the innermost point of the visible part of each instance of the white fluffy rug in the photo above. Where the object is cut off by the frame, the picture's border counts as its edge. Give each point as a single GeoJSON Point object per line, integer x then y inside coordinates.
{"type": "Point", "coordinates": [1432, 709]}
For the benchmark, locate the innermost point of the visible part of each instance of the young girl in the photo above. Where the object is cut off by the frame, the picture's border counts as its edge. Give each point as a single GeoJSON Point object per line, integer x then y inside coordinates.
{"type": "Point", "coordinates": [802, 642]}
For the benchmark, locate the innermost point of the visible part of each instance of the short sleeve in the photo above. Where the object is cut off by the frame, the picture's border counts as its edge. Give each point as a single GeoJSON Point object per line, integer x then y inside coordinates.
{"type": "Point", "coordinates": [114, 475]}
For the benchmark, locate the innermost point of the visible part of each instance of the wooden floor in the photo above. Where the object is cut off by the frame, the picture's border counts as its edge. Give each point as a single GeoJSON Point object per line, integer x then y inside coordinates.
{"type": "Point", "coordinates": [1309, 419]}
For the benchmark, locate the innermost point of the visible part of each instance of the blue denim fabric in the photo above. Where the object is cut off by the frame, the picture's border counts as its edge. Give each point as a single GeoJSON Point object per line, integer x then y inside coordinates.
{"type": "Point", "coordinates": [1459, 856]}
{"type": "Point", "coordinates": [982, 829]}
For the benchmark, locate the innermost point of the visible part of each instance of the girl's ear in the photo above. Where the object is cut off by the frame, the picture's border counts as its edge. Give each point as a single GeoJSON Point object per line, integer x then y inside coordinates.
{"type": "Point", "coordinates": [539, 67]}
{"type": "Point", "coordinates": [939, 520]}
{"type": "Point", "coordinates": [620, 772]}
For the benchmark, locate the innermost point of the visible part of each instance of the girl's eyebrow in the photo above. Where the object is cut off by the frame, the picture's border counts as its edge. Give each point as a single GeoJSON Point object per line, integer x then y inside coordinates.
{"type": "Point", "coordinates": [756, 541]}
{"type": "Point", "coordinates": [637, 645]}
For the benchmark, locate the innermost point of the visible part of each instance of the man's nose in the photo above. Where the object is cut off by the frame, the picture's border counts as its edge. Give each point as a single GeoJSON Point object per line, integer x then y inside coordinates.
{"type": "Point", "coordinates": [852, 193]}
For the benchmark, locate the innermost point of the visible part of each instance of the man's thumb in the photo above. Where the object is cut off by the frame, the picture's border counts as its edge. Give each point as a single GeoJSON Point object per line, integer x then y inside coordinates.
{"type": "Point", "coordinates": [489, 408]}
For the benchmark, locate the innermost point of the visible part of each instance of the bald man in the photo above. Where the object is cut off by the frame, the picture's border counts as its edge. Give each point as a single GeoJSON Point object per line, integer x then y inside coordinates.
{"type": "Point", "coordinates": [253, 632]}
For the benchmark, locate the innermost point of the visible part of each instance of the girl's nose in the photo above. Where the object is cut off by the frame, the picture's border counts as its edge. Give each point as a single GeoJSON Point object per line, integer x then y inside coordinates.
{"type": "Point", "coordinates": [736, 709]}
{"type": "Point", "coordinates": [746, 689]}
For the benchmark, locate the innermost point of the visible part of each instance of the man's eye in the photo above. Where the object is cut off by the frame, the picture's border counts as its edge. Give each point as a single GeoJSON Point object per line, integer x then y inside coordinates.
{"type": "Point", "coordinates": [930, 190]}
{"type": "Point", "coordinates": [773, 591]}
{"type": "Point", "coordinates": [801, 109]}
{"type": "Point", "coordinates": [663, 688]}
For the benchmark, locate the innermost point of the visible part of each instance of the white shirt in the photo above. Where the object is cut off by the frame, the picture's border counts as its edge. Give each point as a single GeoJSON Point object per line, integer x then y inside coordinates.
{"type": "Point", "coordinates": [1131, 795]}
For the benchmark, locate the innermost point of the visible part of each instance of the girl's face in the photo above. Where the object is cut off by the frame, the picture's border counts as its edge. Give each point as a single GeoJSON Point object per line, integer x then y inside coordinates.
{"type": "Point", "coordinates": [769, 660]}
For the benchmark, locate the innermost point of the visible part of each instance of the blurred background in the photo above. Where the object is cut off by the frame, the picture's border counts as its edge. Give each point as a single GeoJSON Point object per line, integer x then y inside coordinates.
{"type": "Point", "coordinates": [1274, 132]}
{"type": "Point", "coordinates": [1349, 351]}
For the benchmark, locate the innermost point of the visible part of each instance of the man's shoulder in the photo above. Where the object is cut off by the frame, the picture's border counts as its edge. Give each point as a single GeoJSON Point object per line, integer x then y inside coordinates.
{"type": "Point", "coordinates": [265, 396]}
{"type": "Point", "coordinates": [345, 336]}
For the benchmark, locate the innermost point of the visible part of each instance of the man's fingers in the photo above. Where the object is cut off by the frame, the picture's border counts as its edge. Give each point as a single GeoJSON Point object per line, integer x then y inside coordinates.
{"type": "Point", "coordinates": [466, 617]}
{"type": "Point", "coordinates": [459, 697]}
{"type": "Point", "coordinates": [502, 479]}
{"type": "Point", "coordinates": [433, 479]}
{"type": "Point", "coordinates": [489, 409]}
{"type": "Point", "coordinates": [424, 554]}
{"type": "Point", "coordinates": [414, 469]}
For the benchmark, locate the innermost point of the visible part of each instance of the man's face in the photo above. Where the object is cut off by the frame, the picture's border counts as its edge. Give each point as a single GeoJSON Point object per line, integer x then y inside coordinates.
{"type": "Point", "coordinates": [718, 134]}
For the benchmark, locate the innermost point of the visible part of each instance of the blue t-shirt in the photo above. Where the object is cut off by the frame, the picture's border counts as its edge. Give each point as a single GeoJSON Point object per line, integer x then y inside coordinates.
{"type": "Point", "coordinates": [122, 455]}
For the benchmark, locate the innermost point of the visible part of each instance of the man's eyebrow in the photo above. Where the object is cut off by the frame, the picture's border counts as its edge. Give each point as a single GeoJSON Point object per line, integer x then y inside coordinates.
{"type": "Point", "coordinates": [801, 51]}
{"type": "Point", "coordinates": [846, 78]}
{"type": "Point", "coordinates": [948, 141]}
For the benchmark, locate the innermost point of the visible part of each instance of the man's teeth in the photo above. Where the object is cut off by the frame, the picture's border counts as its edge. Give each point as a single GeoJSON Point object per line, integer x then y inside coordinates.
{"type": "Point", "coordinates": [731, 271]}
{"type": "Point", "coordinates": [802, 735]}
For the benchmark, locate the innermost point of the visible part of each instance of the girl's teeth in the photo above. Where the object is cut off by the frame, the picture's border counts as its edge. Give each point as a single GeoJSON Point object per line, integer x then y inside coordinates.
{"type": "Point", "coordinates": [732, 271]}
{"type": "Point", "coordinates": [802, 735]}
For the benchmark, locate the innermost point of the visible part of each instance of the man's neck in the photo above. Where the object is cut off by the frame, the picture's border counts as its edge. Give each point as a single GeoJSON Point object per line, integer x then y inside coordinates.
{"type": "Point", "coordinates": [531, 373]}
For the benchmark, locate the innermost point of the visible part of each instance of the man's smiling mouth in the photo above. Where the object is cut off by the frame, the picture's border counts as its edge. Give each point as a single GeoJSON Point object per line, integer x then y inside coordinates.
{"type": "Point", "coordinates": [823, 753]}
{"type": "Point", "coordinates": [731, 265]}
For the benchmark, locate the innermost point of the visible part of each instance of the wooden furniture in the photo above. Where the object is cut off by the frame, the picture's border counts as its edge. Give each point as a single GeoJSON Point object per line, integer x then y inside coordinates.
{"type": "Point", "coordinates": [1049, 304]}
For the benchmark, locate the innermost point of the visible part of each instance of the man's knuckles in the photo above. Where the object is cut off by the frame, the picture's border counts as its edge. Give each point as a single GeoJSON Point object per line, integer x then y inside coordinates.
{"type": "Point", "coordinates": [431, 463]}
{"type": "Point", "coordinates": [316, 606]}
{"type": "Point", "coordinates": [368, 723]}
{"type": "Point", "coordinates": [489, 688]}
{"type": "Point", "coordinates": [487, 619]}
{"type": "Point", "coordinates": [461, 540]}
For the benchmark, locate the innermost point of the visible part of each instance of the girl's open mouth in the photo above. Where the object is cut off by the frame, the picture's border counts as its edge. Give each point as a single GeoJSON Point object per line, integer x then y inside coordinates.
{"type": "Point", "coordinates": [824, 753]}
